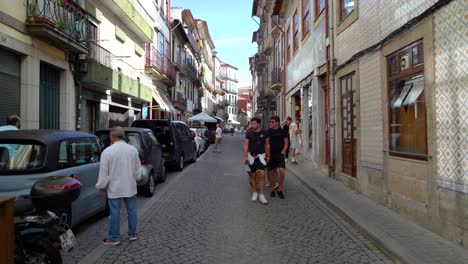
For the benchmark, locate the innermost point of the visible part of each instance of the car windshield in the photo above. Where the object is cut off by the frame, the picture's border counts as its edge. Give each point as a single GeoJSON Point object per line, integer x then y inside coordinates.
{"type": "Point", "coordinates": [131, 138]}
{"type": "Point", "coordinates": [21, 156]}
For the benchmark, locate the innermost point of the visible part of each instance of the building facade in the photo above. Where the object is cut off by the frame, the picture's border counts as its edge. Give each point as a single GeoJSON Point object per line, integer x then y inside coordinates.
{"type": "Point", "coordinates": [392, 74]}
{"type": "Point", "coordinates": [39, 62]}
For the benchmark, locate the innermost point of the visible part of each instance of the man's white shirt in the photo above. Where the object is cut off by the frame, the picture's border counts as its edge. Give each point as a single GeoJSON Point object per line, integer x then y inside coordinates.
{"type": "Point", "coordinates": [119, 171]}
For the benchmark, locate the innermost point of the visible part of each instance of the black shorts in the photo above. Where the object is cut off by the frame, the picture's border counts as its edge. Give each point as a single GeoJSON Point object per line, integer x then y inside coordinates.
{"type": "Point", "coordinates": [257, 166]}
{"type": "Point", "coordinates": [276, 162]}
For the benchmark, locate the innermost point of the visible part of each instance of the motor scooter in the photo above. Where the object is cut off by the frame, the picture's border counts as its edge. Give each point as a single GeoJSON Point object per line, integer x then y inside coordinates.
{"type": "Point", "coordinates": [39, 233]}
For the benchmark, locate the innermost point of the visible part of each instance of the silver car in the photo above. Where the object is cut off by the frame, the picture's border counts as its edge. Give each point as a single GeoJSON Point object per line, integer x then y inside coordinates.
{"type": "Point", "coordinates": [28, 155]}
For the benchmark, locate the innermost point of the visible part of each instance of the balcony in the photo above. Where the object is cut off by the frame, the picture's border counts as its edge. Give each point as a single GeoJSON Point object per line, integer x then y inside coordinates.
{"type": "Point", "coordinates": [227, 76]}
{"type": "Point", "coordinates": [190, 67]}
{"type": "Point", "coordinates": [276, 26]}
{"type": "Point", "coordinates": [98, 74]}
{"type": "Point", "coordinates": [63, 24]}
{"type": "Point", "coordinates": [261, 61]}
{"type": "Point", "coordinates": [276, 84]}
{"type": "Point", "coordinates": [130, 14]}
{"type": "Point", "coordinates": [180, 102]}
{"type": "Point", "coordinates": [157, 66]}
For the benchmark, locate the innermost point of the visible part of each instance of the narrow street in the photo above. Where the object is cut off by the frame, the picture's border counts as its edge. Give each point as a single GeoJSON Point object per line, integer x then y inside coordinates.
{"type": "Point", "coordinates": [204, 215]}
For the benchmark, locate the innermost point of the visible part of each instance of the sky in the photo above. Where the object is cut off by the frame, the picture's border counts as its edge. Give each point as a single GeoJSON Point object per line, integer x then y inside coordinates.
{"type": "Point", "coordinates": [231, 26]}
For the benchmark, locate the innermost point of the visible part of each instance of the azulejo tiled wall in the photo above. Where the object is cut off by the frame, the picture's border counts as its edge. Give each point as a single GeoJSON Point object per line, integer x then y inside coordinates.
{"type": "Point", "coordinates": [370, 100]}
{"type": "Point", "coordinates": [310, 56]}
{"type": "Point", "coordinates": [451, 95]}
{"type": "Point", "coordinates": [377, 19]}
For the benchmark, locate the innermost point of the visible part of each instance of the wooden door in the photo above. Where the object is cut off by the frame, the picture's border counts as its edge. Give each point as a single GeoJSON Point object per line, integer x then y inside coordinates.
{"type": "Point", "coordinates": [348, 129]}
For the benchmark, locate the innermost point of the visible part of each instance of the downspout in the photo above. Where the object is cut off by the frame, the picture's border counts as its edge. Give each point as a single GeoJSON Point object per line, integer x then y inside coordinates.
{"type": "Point", "coordinates": [331, 80]}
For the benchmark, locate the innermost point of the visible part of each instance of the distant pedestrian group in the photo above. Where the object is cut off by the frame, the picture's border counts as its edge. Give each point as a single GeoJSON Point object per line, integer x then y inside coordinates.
{"type": "Point", "coordinates": [267, 150]}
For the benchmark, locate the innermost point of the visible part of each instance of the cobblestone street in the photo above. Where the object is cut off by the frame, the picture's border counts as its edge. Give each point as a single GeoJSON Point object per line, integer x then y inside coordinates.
{"type": "Point", "coordinates": [205, 216]}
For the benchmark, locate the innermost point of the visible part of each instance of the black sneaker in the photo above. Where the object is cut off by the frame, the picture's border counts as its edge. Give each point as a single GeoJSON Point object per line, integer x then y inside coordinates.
{"type": "Point", "coordinates": [272, 194]}
{"type": "Point", "coordinates": [280, 195]}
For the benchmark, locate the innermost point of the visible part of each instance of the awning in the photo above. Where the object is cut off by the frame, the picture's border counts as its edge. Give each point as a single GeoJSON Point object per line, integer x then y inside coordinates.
{"type": "Point", "coordinates": [203, 117]}
{"type": "Point", "coordinates": [163, 102]}
{"type": "Point", "coordinates": [219, 118]}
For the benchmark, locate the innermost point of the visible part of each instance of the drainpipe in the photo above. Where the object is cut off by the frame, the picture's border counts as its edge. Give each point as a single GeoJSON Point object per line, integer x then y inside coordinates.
{"type": "Point", "coordinates": [331, 80]}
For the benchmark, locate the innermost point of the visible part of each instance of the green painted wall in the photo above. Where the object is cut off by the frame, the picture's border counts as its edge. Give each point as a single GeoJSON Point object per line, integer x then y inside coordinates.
{"type": "Point", "coordinates": [128, 9]}
{"type": "Point", "coordinates": [107, 78]}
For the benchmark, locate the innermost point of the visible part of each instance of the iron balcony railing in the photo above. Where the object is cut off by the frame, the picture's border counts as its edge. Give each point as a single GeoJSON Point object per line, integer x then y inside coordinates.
{"type": "Point", "coordinates": [180, 101]}
{"type": "Point", "coordinates": [64, 16]}
{"type": "Point", "coordinates": [100, 54]}
{"type": "Point", "coordinates": [191, 68]}
{"type": "Point", "coordinates": [169, 69]}
{"type": "Point", "coordinates": [231, 77]}
{"type": "Point", "coordinates": [276, 76]}
{"type": "Point", "coordinates": [153, 58]}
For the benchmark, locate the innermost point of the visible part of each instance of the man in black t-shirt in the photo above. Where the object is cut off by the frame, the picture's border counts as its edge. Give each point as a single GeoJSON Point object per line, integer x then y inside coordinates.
{"type": "Point", "coordinates": [286, 129]}
{"type": "Point", "coordinates": [278, 145]}
{"type": "Point", "coordinates": [257, 155]}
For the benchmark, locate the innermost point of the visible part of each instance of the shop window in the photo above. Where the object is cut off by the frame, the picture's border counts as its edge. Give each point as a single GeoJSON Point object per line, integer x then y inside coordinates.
{"type": "Point", "coordinates": [346, 7]}
{"type": "Point", "coordinates": [407, 106]}
{"type": "Point", "coordinates": [319, 7]}
{"type": "Point", "coordinates": [296, 31]}
{"type": "Point", "coordinates": [305, 17]}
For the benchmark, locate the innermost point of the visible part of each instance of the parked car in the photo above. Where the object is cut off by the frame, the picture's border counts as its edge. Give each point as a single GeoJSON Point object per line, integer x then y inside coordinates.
{"type": "Point", "coordinates": [205, 134]}
{"type": "Point", "coordinates": [199, 140]}
{"type": "Point", "coordinates": [177, 143]}
{"type": "Point", "coordinates": [29, 155]}
{"type": "Point", "coordinates": [152, 162]}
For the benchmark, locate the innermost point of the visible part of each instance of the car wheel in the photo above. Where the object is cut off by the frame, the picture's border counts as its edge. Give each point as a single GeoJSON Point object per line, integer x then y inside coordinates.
{"type": "Point", "coordinates": [148, 189]}
{"type": "Point", "coordinates": [162, 177]}
{"type": "Point", "coordinates": [195, 156]}
{"type": "Point", "coordinates": [180, 165]}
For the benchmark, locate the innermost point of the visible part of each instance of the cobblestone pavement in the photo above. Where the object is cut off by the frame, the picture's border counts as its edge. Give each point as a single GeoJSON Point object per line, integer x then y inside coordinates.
{"type": "Point", "coordinates": [206, 216]}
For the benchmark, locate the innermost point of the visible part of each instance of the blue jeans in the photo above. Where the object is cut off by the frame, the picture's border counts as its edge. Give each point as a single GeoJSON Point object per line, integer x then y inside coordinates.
{"type": "Point", "coordinates": [114, 218]}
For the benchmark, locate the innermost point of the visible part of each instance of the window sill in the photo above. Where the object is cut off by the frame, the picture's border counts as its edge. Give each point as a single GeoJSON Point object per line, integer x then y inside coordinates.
{"type": "Point", "coordinates": [319, 19]}
{"type": "Point", "coordinates": [344, 23]}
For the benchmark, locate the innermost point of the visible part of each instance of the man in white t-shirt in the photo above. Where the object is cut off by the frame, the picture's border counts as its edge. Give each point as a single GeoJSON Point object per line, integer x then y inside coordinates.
{"type": "Point", "coordinates": [219, 135]}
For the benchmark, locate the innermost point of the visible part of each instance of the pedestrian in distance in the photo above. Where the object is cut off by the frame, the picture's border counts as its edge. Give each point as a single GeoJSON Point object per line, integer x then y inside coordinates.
{"type": "Point", "coordinates": [278, 145]}
{"type": "Point", "coordinates": [295, 136]}
{"type": "Point", "coordinates": [13, 122]}
{"type": "Point", "coordinates": [218, 136]}
{"type": "Point", "coordinates": [287, 122]}
{"type": "Point", "coordinates": [257, 153]}
{"type": "Point", "coordinates": [118, 175]}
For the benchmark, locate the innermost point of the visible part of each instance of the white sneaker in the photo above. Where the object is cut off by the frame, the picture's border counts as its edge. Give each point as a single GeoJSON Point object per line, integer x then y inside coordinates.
{"type": "Point", "coordinates": [254, 197]}
{"type": "Point", "coordinates": [262, 199]}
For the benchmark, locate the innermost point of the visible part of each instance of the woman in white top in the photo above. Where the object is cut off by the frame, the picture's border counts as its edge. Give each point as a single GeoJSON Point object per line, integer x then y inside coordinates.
{"type": "Point", "coordinates": [295, 136]}
{"type": "Point", "coordinates": [219, 135]}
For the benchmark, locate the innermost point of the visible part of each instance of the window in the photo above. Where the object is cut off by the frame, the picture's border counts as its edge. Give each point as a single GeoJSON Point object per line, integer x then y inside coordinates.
{"type": "Point", "coordinates": [78, 152]}
{"type": "Point", "coordinates": [288, 41]}
{"type": "Point", "coordinates": [319, 7]}
{"type": "Point", "coordinates": [346, 7]}
{"type": "Point", "coordinates": [21, 156]}
{"type": "Point", "coordinates": [407, 106]}
{"type": "Point", "coordinates": [305, 17]}
{"type": "Point", "coordinates": [160, 43]}
{"type": "Point", "coordinates": [167, 49]}
{"type": "Point", "coordinates": [296, 31]}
